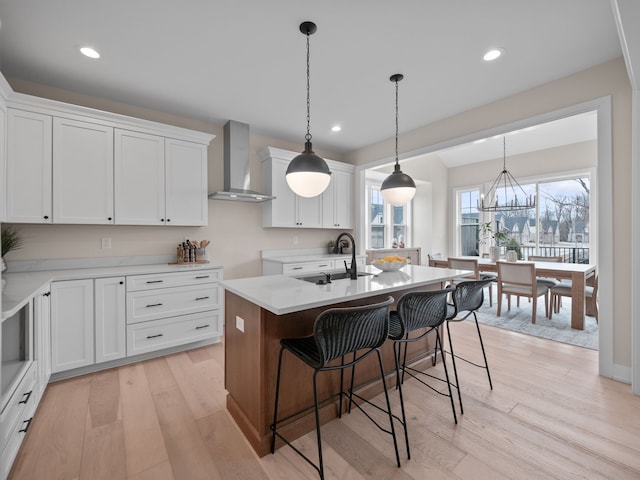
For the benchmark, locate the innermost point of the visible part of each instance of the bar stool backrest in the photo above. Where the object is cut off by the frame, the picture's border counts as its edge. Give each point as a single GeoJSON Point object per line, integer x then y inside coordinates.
{"type": "Point", "coordinates": [422, 309]}
{"type": "Point", "coordinates": [338, 331]}
{"type": "Point", "coordinates": [469, 296]}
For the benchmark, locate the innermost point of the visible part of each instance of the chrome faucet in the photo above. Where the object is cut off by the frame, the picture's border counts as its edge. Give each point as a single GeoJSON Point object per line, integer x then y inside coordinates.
{"type": "Point", "coordinates": [352, 271]}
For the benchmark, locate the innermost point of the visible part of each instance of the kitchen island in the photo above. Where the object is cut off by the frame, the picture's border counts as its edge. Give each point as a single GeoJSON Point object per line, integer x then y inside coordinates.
{"type": "Point", "coordinates": [259, 311]}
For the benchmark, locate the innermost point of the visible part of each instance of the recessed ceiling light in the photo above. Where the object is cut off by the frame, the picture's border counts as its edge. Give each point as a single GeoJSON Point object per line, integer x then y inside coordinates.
{"type": "Point", "coordinates": [89, 52]}
{"type": "Point", "coordinates": [492, 54]}
{"type": "Point", "coordinates": [336, 128]}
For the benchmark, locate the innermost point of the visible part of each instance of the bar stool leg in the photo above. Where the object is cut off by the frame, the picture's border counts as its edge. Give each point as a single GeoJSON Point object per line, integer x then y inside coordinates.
{"type": "Point", "coordinates": [318, 436]}
{"type": "Point", "coordinates": [484, 355]}
{"type": "Point", "coordinates": [275, 408]}
{"type": "Point", "coordinates": [386, 396]}
{"type": "Point", "coordinates": [396, 356]}
{"type": "Point", "coordinates": [455, 369]}
{"type": "Point", "coordinates": [446, 374]}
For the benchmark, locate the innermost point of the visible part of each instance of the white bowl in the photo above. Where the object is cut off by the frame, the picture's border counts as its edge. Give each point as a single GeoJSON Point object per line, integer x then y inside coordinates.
{"type": "Point", "coordinates": [389, 266]}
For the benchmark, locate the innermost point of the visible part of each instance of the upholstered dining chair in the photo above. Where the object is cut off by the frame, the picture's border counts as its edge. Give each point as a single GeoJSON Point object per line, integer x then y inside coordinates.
{"type": "Point", "coordinates": [564, 290]}
{"type": "Point", "coordinates": [519, 278]}
{"type": "Point", "coordinates": [459, 263]}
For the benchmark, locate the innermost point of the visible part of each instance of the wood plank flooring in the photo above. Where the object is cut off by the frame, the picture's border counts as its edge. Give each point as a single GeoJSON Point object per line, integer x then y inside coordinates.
{"type": "Point", "coordinates": [549, 416]}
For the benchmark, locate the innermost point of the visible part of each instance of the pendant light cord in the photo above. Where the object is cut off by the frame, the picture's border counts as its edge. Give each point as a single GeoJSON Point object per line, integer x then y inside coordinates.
{"type": "Point", "coordinates": [396, 122]}
{"type": "Point", "coordinates": [308, 135]}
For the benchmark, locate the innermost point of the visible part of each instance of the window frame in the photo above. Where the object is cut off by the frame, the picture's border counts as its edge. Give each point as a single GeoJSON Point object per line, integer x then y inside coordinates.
{"type": "Point", "coordinates": [371, 184]}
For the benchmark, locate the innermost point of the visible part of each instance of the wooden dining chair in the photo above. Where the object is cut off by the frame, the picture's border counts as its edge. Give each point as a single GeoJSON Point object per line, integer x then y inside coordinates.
{"type": "Point", "coordinates": [548, 281]}
{"type": "Point", "coordinates": [458, 263]}
{"type": "Point", "coordinates": [519, 278]}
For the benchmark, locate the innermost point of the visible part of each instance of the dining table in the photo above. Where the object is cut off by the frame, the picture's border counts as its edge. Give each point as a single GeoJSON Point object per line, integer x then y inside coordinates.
{"type": "Point", "coordinates": [578, 273]}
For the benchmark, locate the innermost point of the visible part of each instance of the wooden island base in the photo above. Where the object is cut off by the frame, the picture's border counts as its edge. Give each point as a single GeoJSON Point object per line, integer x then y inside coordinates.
{"type": "Point", "coordinates": [251, 361]}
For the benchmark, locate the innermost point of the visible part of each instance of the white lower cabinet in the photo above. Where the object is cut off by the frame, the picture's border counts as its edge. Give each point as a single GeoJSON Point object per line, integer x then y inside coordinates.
{"type": "Point", "coordinates": [110, 325]}
{"type": "Point", "coordinates": [172, 309]}
{"type": "Point", "coordinates": [72, 325]}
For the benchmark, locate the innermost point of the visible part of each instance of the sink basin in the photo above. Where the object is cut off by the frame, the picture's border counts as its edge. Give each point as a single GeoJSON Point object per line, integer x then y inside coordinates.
{"type": "Point", "coordinates": [320, 278]}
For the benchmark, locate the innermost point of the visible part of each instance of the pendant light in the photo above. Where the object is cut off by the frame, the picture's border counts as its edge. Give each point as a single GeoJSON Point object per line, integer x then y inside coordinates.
{"type": "Point", "coordinates": [505, 194]}
{"type": "Point", "coordinates": [308, 174]}
{"type": "Point", "coordinates": [398, 188]}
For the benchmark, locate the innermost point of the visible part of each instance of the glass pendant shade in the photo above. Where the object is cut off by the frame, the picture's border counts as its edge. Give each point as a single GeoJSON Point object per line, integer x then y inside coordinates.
{"type": "Point", "coordinates": [308, 174]}
{"type": "Point", "coordinates": [398, 188]}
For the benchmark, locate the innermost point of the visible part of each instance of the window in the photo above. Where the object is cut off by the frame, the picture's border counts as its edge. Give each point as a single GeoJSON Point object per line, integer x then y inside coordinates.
{"type": "Point", "coordinates": [388, 226]}
{"type": "Point", "coordinates": [468, 221]}
{"type": "Point", "coordinates": [559, 226]}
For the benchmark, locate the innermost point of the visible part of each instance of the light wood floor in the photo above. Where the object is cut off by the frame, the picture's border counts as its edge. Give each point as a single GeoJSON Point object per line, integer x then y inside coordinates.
{"type": "Point", "coordinates": [550, 416]}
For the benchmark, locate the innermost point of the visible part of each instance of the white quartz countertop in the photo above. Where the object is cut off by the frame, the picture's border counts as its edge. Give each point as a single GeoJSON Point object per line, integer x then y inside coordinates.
{"type": "Point", "coordinates": [281, 294]}
{"type": "Point", "coordinates": [20, 287]}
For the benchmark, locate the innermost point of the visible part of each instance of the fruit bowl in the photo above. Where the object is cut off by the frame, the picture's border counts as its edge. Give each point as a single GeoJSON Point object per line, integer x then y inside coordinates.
{"type": "Point", "coordinates": [390, 263]}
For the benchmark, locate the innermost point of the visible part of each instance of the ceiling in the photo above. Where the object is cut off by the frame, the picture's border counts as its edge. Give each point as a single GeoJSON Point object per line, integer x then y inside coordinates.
{"type": "Point", "coordinates": [245, 59]}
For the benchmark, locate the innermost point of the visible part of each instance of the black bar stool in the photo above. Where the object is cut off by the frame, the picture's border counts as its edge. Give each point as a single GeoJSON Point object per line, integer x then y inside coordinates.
{"type": "Point", "coordinates": [468, 297]}
{"type": "Point", "coordinates": [415, 311]}
{"type": "Point", "coordinates": [336, 333]}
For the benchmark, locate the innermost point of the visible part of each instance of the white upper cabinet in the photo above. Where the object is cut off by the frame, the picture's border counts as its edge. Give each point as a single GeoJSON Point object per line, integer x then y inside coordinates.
{"type": "Point", "coordinates": [82, 172]}
{"type": "Point", "coordinates": [159, 181]}
{"type": "Point", "coordinates": [287, 209]}
{"type": "Point", "coordinates": [186, 183]}
{"type": "Point", "coordinates": [337, 199]}
{"type": "Point", "coordinates": [71, 164]}
{"type": "Point", "coordinates": [139, 178]}
{"type": "Point", "coordinates": [28, 162]}
{"type": "Point", "coordinates": [332, 209]}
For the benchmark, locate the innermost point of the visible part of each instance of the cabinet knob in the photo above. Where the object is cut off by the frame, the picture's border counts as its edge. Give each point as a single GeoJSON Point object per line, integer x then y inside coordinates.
{"type": "Point", "coordinates": [162, 219]}
{"type": "Point", "coordinates": [168, 219]}
{"type": "Point", "coordinates": [109, 218]}
{"type": "Point", "coordinates": [46, 294]}
{"type": "Point", "coordinates": [46, 217]}
{"type": "Point", "coordinates": [121, 283]}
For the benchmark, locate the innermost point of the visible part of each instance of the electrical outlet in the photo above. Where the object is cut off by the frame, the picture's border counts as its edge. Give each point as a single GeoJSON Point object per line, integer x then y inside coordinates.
{"type": "Point", "coordinates": [106, 242]}
{"type": "Point", "coordinates": [295, 239]}
{"type": "Point", "coordinates": [240, 323]}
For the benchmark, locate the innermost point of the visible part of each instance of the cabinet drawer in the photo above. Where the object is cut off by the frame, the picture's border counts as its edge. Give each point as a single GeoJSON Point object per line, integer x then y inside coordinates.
{"type": "Point", "coordinates": [19, 406]}
{"type": "Point", "coordinates": [161, 303]}
{"type": "Point", "coordinates": [170, 332]}
{"type": "Point", "coordinates": [174, 279]}
{"type": "Point", "coordinates": [308, 267]}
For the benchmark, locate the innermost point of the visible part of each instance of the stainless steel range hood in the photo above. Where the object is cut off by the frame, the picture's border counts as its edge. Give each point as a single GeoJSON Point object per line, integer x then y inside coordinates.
{"type": "Point", "coordinates": [237, 176]}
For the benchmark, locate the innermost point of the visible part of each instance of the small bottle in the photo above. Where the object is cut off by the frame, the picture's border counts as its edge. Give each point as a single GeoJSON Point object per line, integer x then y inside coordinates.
{"type": "Point", "coordinates": [185, 253]}
{"type": "Point", "coordinates": [180, 254]}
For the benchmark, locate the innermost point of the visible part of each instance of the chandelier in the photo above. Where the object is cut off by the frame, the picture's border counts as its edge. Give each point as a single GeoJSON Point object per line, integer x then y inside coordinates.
{"type": "Point", "coordinates": [506, 194]}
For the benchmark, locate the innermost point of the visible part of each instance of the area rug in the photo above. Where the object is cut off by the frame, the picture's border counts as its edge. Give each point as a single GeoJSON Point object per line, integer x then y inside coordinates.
{"type": "Point", "coordinates": [557, 329]}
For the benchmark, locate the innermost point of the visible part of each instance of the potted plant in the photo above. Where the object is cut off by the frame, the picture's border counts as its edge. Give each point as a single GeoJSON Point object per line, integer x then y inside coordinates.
{"type": "Point", "coordinates": [499, 237]}
{"type": "Point", "coordinates": [11, 240]}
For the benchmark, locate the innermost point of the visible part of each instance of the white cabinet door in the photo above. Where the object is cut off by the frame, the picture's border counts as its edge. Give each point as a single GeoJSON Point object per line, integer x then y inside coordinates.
{"type": "Point", "coordinates": [139, 178]}
{"type": "Point", "coordinates": [186, 183]}
{"type": "Point", "coordinates": [309, 212]}
{"type": "Point", "coordinates": [82, 172]}
{"type": "Point", "coordinates": [72, 329]}
{"type": "Point", "coordinates": [287, 209]}
{"type": "Point", "coordinates": [28, 167]}
{"type": "Point", "coordinates": [42, 338]}
{"type": "Point", "coordinates": [337, 200]}
{"type": "Point", "coordinates": [3, 136]}
{"type": "Point", "coordinates": [110, 321]}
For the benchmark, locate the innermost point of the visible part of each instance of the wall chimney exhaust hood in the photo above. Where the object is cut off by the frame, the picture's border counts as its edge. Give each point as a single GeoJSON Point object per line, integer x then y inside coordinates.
{"type": "Point", "coordinates": [237, 176]}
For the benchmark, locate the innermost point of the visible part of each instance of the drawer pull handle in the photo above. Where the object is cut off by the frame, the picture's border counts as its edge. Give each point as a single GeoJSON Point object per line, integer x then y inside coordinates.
{"type": "Point", "coordinates": [296, 268]}
{"type": "Point", "coordinates": [154, 305]}
{"type": "Point", "coordinates": [25, 397]}
{"type": "Point", "coordinates": [28, 422]}
{"type": "Point", "coordinates": [154, 336]}
{"type": "Point", "coordinates": [202, 298]}
{"type": "Point", "coordinates": [155, 281]}
{"type": "Point", "coordinates": [202, 276]}
{"type": "Point", "coordinates": [324, 265]}
{"type": "Point", "coordinates": [202, 326]}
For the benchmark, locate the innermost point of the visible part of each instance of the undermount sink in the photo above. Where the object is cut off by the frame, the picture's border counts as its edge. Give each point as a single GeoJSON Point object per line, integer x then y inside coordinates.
{"type": "Point", "coordinates": [321, 278]}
